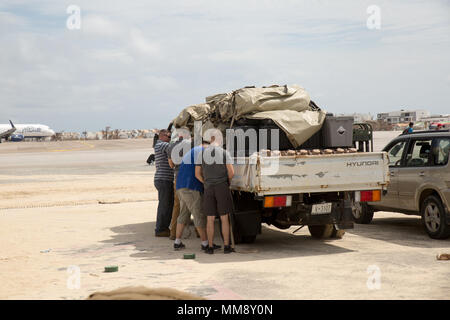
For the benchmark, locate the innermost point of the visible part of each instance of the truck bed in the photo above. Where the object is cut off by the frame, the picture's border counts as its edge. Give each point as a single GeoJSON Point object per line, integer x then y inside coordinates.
{"type": "Point", "coordinates": [311, 173]}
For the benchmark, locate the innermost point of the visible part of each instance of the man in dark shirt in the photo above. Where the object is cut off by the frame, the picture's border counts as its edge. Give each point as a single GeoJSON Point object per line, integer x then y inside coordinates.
{"type": "Point", "coordinates": [214, 168]}
{"type": "Point", "coordinates": [164, 184]}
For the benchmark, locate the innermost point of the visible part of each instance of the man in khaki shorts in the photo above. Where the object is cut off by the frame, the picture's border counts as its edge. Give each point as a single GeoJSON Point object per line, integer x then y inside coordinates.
{"type": "Point", "coordinates": [189, 191]}
{"type": "Point", "coordinates": [176, 153]}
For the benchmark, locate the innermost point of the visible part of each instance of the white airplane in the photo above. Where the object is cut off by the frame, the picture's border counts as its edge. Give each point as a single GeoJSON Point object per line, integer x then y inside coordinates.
{"type": "Point", "coordinates": [19, 132]}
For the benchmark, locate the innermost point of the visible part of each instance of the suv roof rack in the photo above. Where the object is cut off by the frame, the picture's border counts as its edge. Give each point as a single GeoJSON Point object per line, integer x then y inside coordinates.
{"type": "Point", "coordinates": [425, 131]}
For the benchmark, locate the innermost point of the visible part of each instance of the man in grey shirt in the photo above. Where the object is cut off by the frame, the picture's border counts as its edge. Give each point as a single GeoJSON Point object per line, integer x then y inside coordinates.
{"type": "Point", "coordinates": [214, 168]}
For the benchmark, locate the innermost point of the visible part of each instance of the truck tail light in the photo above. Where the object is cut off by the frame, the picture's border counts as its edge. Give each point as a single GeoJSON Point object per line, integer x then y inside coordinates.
{"type": "Point", "coordinates": [277, 201]}
{"type": "Point", "coordinates": [368, 196]}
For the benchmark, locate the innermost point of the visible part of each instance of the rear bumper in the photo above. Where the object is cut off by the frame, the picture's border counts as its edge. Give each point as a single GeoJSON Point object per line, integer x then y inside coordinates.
{"type": "Point", "coordinates": [341, 215]}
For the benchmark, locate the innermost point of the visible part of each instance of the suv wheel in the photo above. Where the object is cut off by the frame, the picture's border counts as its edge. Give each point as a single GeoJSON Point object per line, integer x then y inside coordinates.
{"type": "Point", "coordinates": [362, 213]}
{"type": "Point", "coordinates": [433, 218]}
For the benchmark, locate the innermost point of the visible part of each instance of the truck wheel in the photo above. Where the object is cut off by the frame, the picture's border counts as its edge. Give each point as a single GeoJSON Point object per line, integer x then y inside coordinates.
{"type": "Point", "coordinates": [337, 234]}
{"type": "Point", "coordinates": [248, 239]}
{"type": "Point", "coordinates": [433, 218]}
{"type": "Point", "coordinates": [321, 232]}
{"type": "Point", "coordinates": [362, 213]}
{"type": "Point", "coordinates": [280, 226]}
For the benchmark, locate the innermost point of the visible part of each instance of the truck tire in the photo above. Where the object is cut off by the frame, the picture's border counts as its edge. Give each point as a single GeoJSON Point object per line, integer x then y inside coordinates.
{"type": "Point", "coordinates": [434, 219]}
{"type": "Point", "coordinates": [322, 231]}
{"type": "Point", "coordinates": [248, 239]}
{"type": "Point", "coordinates": [280, 226]}
{"type": "Point", "coordinates": [362, 213]}
{"type": "Point", "coordinates": [337, 234]}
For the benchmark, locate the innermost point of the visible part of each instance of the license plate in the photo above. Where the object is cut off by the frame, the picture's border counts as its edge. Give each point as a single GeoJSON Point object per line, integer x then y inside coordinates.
{"type": "Point", "coordinates": [322, 208]}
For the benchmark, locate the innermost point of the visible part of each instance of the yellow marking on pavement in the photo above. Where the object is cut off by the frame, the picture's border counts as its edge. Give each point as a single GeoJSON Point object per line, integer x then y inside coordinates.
{"type": "Point", "coordinates": [88, 146]}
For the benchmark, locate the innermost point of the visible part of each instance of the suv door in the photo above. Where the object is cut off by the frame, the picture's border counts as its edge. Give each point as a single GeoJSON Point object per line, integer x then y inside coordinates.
{"type": "Point", "coordinates": [440, 171]}
{"type": "Point", "coordinates": [415, 172]}
{"type": "Point", "coordinates": [395, 152]}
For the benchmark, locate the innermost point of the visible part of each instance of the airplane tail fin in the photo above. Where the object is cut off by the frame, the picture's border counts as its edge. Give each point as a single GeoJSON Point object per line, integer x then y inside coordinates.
{"type": "Point", "coordinates": [12, 125]}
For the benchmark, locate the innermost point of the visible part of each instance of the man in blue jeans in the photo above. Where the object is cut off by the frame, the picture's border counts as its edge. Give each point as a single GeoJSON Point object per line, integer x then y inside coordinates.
{"type": "Point", "coordinates": [164, 184]}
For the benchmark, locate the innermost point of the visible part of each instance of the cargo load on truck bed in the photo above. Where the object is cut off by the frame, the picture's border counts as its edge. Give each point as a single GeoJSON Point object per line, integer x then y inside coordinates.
{"type": "Point", "coordinates": [288, 107]}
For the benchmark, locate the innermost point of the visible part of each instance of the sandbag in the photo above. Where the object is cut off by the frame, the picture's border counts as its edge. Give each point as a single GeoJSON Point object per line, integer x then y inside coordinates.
{"type": "Point", "coordinates": [143, 293]}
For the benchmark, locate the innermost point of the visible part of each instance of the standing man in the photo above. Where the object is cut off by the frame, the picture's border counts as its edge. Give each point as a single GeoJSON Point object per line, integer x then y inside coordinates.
{"type": "Point", "coordinates": [214, 167]}
{"type": "Point", "coordinates": [178, 149]}
{"type": "Point", "coordinates": [189, 191]}
{"type": "Point", "coordinates": [164, 184]}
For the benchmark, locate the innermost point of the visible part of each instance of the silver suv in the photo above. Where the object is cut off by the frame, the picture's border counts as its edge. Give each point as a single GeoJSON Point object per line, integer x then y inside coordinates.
{"type": "Point", "coordinates": [420, 181]}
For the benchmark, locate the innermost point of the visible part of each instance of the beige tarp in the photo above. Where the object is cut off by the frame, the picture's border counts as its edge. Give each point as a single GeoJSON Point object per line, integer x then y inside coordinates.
{"type": "Point", "coordinates": [190, 114]}
{"type": "Point", "coordinates": [251, 100]}
{"type": "Point", "coordinates": [298, 126]}
{"type": "Point", "coordinates": [222, 103]}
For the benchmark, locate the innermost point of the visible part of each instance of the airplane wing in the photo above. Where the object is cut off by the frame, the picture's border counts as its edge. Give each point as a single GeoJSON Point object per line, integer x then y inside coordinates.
{"type": "Point", "coordinates": [7, 133]}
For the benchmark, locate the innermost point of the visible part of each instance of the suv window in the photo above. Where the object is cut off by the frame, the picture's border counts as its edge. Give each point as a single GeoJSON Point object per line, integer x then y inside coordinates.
{"type": "Point", "coordinates": [395, 153]}
{"type": "Point", "coordinates": [419, 152]}
{"type": "Point", "coordinates": [441, 151]}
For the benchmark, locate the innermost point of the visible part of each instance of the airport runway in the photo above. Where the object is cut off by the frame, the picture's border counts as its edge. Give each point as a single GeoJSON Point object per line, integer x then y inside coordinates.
{"type": "Point", "coordinates": [72, 207]}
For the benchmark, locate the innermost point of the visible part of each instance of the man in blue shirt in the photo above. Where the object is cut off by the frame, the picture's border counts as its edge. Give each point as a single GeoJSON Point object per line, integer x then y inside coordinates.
{"type": "Point", "coordinates": [409, 129]}
{"type": "Point", "coordinates": [189, 191]}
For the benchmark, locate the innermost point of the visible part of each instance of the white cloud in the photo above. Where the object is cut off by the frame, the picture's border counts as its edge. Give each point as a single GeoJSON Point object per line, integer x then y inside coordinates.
{"type": "Point", "coordinates": [136, 64]}
{"type": "Point", "coordinates": [142, 44]}
{"type": "Point", "coordinates": [112, 55]}
{"type": "Point", "coordinates": [100, 26]}
{"type": "Point", "coordinates": [9, 20]}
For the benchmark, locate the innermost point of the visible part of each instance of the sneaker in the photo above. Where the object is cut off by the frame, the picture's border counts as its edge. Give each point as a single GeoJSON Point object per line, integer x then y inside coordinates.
{"type": "Point", "coordinates": [178, 246]}
{"type": "Point", "coordinates": [165, 233]}
{"type": "Point", "coordinates": [215, 246]}
{"type": "Point", "coordinates": [227, 249]}
{"type": "Point", "coordinates": [209, 250]}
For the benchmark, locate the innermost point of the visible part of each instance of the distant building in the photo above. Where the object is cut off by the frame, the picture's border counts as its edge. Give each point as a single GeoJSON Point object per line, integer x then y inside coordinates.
{"type": "Point", "coordinates": [362, 117]}
{"type": "Point", "coordinates": [403, 116]}
{"type": "Point", "coordinates": [357, 117]}
{"type": "Point", "coordinates": [437, 118]}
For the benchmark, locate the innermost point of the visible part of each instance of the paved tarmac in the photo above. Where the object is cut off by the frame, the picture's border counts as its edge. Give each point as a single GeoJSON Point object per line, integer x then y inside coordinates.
{"type": "Point", "coordinates": [68, 209]}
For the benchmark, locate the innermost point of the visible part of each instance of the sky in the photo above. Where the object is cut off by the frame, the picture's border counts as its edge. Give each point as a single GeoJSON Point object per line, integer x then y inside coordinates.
{"type": "Point", "coordinates": [137, 64]}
